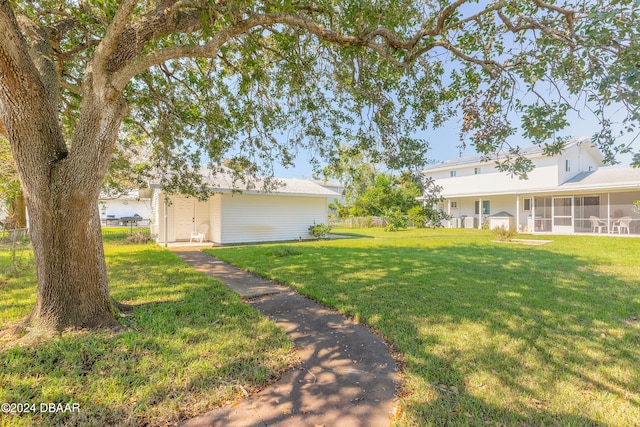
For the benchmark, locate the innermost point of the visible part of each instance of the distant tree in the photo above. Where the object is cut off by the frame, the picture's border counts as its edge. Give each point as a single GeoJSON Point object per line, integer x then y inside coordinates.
{"type": "Point", "coordinates": [388, 192]}
{"type": "Point", "coordinates": [354, 169]}
{"type": "Point", "coordinates": [341, 210]}
{"type": "Point", "coordinates": [10, 191]}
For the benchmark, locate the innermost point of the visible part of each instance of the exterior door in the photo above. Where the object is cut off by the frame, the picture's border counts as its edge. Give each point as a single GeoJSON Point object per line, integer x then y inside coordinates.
{"type": "Point", "coordinates": [183, 218]}
{"type": "Point", "coordinates": [562, 215]}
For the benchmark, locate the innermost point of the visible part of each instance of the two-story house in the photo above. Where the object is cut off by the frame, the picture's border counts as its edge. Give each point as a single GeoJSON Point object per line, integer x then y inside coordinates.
{"type": "Point", "coordinates": [567, 193]}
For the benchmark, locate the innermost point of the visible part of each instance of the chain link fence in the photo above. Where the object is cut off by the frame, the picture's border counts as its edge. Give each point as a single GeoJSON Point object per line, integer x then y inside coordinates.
{"type": "Point", "coordinates": [15, 250]}
{"type": "Point", "coordinates": [357, 222]}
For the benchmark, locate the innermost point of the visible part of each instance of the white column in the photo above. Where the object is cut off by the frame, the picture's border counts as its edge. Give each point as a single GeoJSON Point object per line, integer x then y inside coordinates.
{"type": "Point", "coordinates": [609, 212]}
{"type": "Point", "coordinates": [480, 214]}
{"type": "Point", "coordinates": [449, 211]}
{"type": "Point", "coordinates": [517, 212]}
{"type": "Point", "coordinates": [533, 215]}
{"type": "Point", "coordinates": [573, 214]}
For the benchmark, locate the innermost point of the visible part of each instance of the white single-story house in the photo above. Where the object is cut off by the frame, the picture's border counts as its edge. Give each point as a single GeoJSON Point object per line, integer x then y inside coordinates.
{"type": "Point", "coordinates": [130, 205]}
{"type": "Point", "coordinates": [567, 193]}
{"type": "Point", "coordinates": [251, 215]}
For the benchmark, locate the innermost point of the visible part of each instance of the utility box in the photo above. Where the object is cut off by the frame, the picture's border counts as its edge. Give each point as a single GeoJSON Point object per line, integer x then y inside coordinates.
{"type": "Point", "coordinates": [470, 222]}
{"type": "Point", "coordinates": [502, 219]}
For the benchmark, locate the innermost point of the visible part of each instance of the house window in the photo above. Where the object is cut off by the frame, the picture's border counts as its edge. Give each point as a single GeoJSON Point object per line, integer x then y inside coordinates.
{"type": "Point", "coordinates": [567, 165]}
{"type": "Point", "coordinates": [527, 204]}
{"type": "Point", "coordinates": [454, 205]}
{"type": "Point", "coordinates": [486, 207]}
{"type": "Point", "coordinates": [476, 171]}
{"type": "Point", "coordinates": [452, 174]}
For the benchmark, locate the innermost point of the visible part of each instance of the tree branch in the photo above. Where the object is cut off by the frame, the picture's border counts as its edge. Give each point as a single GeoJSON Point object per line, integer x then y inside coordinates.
{"type": "Point", "coordinates": [39, 140]}
{"type": "Point", "coordinates": [42, 54]}
{"type": "Point", "coordinates": [210, 50]}
{"type": "Point", "coordinates": [110, 40]}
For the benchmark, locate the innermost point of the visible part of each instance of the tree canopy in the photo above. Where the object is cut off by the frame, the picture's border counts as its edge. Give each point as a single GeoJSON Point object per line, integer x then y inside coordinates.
{"type": "Point", "coordinates": [90, 88]}
{"type": "Point", "coordinates": [262, 80]}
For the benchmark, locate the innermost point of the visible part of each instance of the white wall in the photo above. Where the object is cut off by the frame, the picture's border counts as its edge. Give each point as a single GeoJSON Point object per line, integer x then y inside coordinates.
{"type": "Point", "coordinates": [120, 207]}
{"type": "Point", "coordinates": [125, 207]}
{"type": "Point", "coordinates": [573, 155]}
{"type": "Point", "coordinates": [582, 158]}
{"type": "Point", "coordinates": [254, 218]}
{"type": "Point", "coordinates": [465, 206]}
{"type": "Point", "coordinates": [491, 181]}
{"type": "Point", "coordinates": [240, 217]}
{"type": "Point", "coordinates": [215, 215]}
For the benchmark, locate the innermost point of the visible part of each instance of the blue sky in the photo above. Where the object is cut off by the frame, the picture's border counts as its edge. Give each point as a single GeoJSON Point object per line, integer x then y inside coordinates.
{"type": "Point", "coordinates": [444, 144]}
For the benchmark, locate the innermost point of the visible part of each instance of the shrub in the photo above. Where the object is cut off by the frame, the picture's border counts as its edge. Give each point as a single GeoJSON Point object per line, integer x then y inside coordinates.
{"type": "Point", "coordinates": [417, 216]}
{"type": "Point", "coordinates": [395, 219]}
{"type": "Point", "coordinates": [283, 252]}
{"type": "Point", "coordinates": [319, 231]}
{"type": "Point", "coordinates": [139, 238]}
{"type": "Point", "coordinates": [503, 234]}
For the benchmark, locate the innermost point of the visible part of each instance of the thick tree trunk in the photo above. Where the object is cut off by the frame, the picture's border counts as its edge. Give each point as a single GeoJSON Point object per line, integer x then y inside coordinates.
{"type": "Point", "coordinates": [61, 182]}
{"type": "Point", "coordinates": [73, 291]}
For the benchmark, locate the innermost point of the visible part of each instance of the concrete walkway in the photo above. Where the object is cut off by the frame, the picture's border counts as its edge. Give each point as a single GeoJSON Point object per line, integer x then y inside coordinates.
{"type": "Point", "coordinates": [346, 377]}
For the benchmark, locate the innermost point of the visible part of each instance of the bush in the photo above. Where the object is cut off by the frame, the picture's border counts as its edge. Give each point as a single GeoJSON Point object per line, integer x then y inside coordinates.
{"type": "Point", "coordinates": [319, 231]}
{"type": "Point", "coordinates": [395, 219]}
{"type": "Point", "coordinates": [139, 238]}
{"type": "Point", "coordinates": [283, 252]}
{"type": "Point", "coordinates": [504, 235]}
{"type": "Point", "coordinates": [417, 216]}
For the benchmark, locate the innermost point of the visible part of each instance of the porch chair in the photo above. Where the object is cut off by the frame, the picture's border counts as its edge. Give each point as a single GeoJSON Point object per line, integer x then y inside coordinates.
{"type": "Point", "coordinates": [621, 224]}
{"type": "Point", "coordinates": [200, 234]}
{"type": "Point", "coordinates": [598, 224]}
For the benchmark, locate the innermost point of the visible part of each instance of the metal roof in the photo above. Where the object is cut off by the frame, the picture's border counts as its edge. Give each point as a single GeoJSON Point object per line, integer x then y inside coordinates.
{"type": "Point", "coordinates": [612, 177]}
{"type": "Point", "coordinates": [501, 214]}
{"type": "Point", "coordinates": [226, 183]}
{"type": "Point", "coordinates": [529, 151]}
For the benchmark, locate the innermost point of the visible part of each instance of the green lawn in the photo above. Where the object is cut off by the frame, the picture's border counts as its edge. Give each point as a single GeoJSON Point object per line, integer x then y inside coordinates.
{"type": "Point", "coordinates": [189, 346]}
{"type": "Point", "coordinates": [488, 333]}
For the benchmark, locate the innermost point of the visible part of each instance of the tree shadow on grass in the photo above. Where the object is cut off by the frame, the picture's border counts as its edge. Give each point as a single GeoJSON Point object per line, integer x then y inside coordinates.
{"type": "Point", "coordinates": [542, 328]}
{"type": "Point", "coordinates": [449, 403]}
{"type": "Point", "coordinates": [346, 376]}
{"type": "Point", "coordinates": [189, 345]}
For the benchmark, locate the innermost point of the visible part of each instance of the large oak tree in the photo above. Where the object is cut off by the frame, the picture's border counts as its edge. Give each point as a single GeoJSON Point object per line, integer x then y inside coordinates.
{"type": "Point", "coordinates": [90, 86]}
